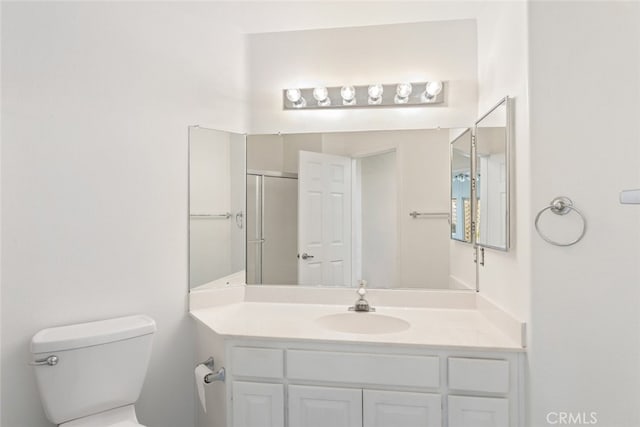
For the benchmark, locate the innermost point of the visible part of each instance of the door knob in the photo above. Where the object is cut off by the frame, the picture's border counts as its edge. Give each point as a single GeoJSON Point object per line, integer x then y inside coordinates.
{"type": "Point", "coordinates": [306, 256]}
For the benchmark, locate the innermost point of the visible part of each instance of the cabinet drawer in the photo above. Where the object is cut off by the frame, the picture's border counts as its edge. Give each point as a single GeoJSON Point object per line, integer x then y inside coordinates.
{"type": "Point", "coordinates": [485, 375]}
{"type": "Point", "coordinates": [364, 368]}
{"type": "Point", "coordinates": [257, 362]}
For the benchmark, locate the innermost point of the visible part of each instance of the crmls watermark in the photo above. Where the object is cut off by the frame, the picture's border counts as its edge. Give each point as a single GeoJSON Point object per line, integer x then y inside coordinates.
{"type": "Point", "coordinates": [572, 418]}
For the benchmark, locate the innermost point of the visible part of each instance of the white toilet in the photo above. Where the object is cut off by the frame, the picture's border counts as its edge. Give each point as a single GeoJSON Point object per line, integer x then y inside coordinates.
{"type": "Point", "coordinates": [91, 374]}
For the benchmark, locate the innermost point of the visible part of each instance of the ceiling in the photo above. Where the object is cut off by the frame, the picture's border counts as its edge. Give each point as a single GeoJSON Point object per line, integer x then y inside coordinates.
{"type": "Point", "coordinates": [277, 16]}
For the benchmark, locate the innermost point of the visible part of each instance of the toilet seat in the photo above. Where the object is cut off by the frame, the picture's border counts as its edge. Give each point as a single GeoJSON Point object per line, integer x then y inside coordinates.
{"type": "Point", "coordinates": [119, 417]}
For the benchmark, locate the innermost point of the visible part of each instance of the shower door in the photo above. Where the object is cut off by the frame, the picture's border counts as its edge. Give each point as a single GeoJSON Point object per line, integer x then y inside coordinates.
{"type": "Point", "coordinates": [272, 232]}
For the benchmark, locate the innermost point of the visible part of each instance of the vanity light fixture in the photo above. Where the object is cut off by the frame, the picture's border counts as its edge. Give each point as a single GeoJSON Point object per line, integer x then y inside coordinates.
{"type": "Point", "coordinates": [404, 94]}
{"type": "Point", "coordinates": [295, 96]}
{"type": "Point", "coordinates": [321, 95]}
{"type": "Point", "coordinates": [375, 94]}
{"type": "Point", "coordinates": [348, 94]}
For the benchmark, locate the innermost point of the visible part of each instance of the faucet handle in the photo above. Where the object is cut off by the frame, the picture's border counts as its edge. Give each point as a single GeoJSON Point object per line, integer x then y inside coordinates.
{"type": "Point", "coordinates": [361, 289]}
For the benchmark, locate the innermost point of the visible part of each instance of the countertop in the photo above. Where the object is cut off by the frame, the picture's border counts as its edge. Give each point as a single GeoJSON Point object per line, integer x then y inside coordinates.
{"type": "Point", "coordinates": [457, 328]}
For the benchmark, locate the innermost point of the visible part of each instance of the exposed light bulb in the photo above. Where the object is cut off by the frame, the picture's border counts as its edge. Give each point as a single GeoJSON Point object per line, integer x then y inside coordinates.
{"type": "Point", "coordinates": [295, 96]}
{"type": "Point", "coordinates": [321, 94]}
{"type": "Point", "coordinates": [403, 90]}
{"type": "Point", "coordinates": [432, 90]}
{"type": "Point", "coordinates": [348, 94]}
{"type": "Point", "coordinates": [375, 94]}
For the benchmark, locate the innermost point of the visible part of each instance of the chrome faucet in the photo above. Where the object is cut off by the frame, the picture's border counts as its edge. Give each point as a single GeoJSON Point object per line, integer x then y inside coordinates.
{"type": "Point", "coordinates": [362, 305]}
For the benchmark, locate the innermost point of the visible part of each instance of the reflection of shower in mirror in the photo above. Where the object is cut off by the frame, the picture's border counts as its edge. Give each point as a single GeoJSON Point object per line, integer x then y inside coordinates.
{"type": "Point", "coordinates": [216, 205]}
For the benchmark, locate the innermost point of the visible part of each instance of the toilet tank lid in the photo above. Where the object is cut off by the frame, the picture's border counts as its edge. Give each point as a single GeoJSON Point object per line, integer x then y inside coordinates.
{"type": "Point", "coordinates": [91, 333]}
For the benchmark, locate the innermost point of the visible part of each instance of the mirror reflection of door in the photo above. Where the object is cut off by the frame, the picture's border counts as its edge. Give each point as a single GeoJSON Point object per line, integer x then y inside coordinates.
{"type": "Point", "coordinates": [492, 207]}
{"type": "Point", "coordinates": [370, 205]}
{"type": "Point", "coordinates": [324, 219]}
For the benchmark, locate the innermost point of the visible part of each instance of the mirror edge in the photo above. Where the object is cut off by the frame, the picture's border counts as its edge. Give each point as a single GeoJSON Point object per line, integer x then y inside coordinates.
{"type": "Point", "coordinates": [470, 130]}
{"type": "Point", "coordinates": [508, 102]}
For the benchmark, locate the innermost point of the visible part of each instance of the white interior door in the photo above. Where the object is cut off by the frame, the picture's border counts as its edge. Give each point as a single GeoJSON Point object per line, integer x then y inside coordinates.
{"type": "Point", "coordinates": [324, 219]}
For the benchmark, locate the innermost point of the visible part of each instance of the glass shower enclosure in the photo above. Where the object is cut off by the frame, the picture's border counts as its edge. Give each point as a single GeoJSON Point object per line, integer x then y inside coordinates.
{"type": "Point", "coordinates": [272, 230]}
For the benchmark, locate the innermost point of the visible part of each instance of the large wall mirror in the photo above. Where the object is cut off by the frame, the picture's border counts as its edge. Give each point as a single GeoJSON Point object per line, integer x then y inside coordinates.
{"type": "Point", "coordinates": [323, 209]}
{"type": "Point", "coordinates": [334, 208]}
{"type": "Point", "coordinates": [492, 151]}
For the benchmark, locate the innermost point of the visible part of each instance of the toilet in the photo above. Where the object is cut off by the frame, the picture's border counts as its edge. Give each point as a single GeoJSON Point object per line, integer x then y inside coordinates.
{"type": "Point", "coordinates": [91, 374]}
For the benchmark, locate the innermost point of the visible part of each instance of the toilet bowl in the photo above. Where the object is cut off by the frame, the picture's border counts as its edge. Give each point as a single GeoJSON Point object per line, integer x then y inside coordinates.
{"type": "Point", "coordinates": [91, 374]}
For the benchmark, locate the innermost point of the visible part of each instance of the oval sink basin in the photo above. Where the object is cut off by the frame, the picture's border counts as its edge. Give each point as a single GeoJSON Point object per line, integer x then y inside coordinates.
{"type": "Point", "coordinates": [363, 323]}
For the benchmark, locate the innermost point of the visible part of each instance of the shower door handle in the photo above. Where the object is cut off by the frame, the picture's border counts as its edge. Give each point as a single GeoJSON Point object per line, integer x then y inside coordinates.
{"type": "Point", "coordinates": [305, 256]}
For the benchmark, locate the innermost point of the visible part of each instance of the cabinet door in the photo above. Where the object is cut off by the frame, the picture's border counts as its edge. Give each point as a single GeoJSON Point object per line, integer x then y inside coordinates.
{"type": "Point", "coordinates": [324, 407]}
{"type": "Point", "coordinates": [394, 409]}
{"type": "Point", "coordinates": [258, 404]}
{"type": "Point", "coordinates": [465, 411]}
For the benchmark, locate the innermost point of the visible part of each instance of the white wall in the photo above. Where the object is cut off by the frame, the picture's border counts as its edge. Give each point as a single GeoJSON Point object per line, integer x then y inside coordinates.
{"type": "Point", "coordinates": [503, 70]}
{"type": "Point", "coordinates": [96, 100]}
{"type": "Point", "coordinates": [363, 55]}
{"type": "Point", "coordinates": [584, 345]}
{"type": "Point", "coordinates": [424, 181]}
{"type": "Point", "coordinates": [378, 191]}
{"type": "Point", "coordinates": [265, 153]}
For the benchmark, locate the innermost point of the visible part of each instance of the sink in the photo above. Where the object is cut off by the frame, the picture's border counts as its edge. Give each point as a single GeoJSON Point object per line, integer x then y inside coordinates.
{"type": "Point", "coordinates": [363, 323]}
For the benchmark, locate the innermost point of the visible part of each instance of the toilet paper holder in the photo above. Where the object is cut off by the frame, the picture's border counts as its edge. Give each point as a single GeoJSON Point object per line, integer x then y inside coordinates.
{"type": "Point", "coordinates": [218, 375]}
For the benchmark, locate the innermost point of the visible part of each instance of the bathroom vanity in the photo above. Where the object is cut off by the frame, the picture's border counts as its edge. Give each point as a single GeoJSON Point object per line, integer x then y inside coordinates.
{"type": "Point", "coordinates": [445, 359]}
{"type": "Point", "coordinates": [405, 210]}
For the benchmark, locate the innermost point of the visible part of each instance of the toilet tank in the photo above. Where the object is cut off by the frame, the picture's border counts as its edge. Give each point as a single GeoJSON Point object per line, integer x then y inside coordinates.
{"type": "Point", "coordinates": [100, 365]}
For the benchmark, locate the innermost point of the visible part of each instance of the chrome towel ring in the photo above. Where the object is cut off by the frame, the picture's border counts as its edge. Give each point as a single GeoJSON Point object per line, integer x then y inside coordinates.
{"type": "Point", "coordinates": [561, 206]}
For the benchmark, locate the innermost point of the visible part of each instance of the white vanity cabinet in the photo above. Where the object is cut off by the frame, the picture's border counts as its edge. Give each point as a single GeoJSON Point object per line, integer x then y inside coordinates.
{"type": "Point", "coordinates": [314, 384]}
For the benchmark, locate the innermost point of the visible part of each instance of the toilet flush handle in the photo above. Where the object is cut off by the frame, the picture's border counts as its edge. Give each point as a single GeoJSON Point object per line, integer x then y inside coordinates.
{"type": "Point", "coordinates": [50, 361]}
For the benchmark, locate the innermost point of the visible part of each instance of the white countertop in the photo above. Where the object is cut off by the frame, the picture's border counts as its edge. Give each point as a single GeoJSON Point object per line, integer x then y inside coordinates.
{"type": "Point", "coordinates": [429, 327]}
